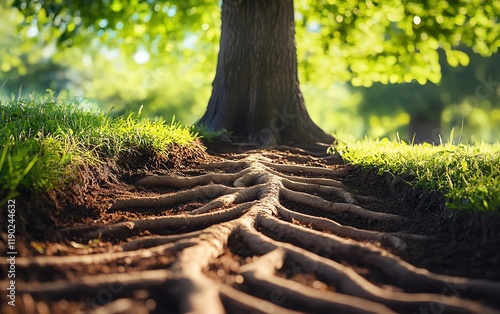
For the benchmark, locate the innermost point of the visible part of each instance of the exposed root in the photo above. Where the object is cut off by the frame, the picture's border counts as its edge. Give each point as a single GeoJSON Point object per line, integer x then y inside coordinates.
{"type": "Point", "coordinates": [318, 181]}
{"type": "Point", "coordinates": [223, 164]}
{"type": "Point", "coordinates": [205, 192]}
{"type": "Point", "coordinates": [260, 276]}
{"type": "Point", "coordinates": [153, 241]}
{"type": "Point", "coordinates": [345, 280]}
{"type": "Point", "coordinates": [186, 182]}
{"type": "Point", "coordinates": [345, 196]}
{"type": "Point", "coordinates": [124, 306]}
{"type": "Point", "coordinates": [238, 302]}
{"type": "Point", "coordinates": [323, 224]}
{"type": "Point", "coordinates": [87, 286]}
{"type": "Point", "coordinates": [281, 259]}
{"type": "Point", "coordinates": [334, 207]}
{"type": "Point", "coordinates": [44, 261]}
{"type": "Point", "coordinates": [182, 222]}
{"type": "Point", "coordinates": [244, 195]}
{"type": "Point", "coordinates": [401, 273]}
{"type": "Point", "coordinates": [305, 169]}
{"type": "Point", "coordinates": [198, 292]}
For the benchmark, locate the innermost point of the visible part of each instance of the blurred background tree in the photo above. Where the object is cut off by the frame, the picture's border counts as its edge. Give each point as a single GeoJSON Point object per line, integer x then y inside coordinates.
{"type": "Point", "coordinates": [161, 55]}
{"type": "Point", "coordinates": [466, 95]}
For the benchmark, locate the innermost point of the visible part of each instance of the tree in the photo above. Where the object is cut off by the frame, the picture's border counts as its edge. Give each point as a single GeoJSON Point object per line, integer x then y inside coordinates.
{"type": "Point", "coordinates": [425, 104]}
{"type": "Point", "coordinates": [256, 93]}
{"type": "Point", "coordinates": [242, 234]}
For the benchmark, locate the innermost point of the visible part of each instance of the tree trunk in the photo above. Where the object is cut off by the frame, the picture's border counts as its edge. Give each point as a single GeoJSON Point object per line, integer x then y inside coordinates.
{"type": "Point", "coordinates": [256, 94]}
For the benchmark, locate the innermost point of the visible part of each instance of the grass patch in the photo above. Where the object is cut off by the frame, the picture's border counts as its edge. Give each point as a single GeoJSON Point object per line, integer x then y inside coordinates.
{"type": "Point", "coordinates": [467, 175]}
{"type": "Point", "coordinates": [43, 140]}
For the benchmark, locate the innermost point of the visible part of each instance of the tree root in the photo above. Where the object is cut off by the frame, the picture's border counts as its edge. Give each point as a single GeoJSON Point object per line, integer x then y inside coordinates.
{"type": "Point", "coordinates": [244, 195]}
{"type": "Point", "coordinates": [88, 286]}
{"type": "Point", "coordinates": [345, 196]}
{"type": "Point", "coordinates": [401, 273]}
{"type": "Point", "coordinates": [347, 281]}
{"type": "Point", "coordinates": [153, 241]}
{"type": "Point", "coordinates": [317, 181]}
{"type": "Point", "coordinates": [260, 276]}
{"type": "Point", "coordinates": [185, 182]}
{"type": "Point", "coordinates": [334, 207]}
{"type": "Point", "coordinates": [179, 222]}
{"type": "Point", "coordinates": [45, 261]}
{"type": "Point", "coordinates": [271, 245]}
{"type": "Point", "coordinates": [209, 191]}
{"type": "Point", "coordinates": [238, 302]}
{"type": "Point", "coordinates": [124, 306]}
{"type": "Point", "coordinates": [198, 292]}
{"type": "Point", "coordinates": [305, 169]}
{"type": "Point", "coordinates": [323, 224]}
{"type": "Point", "coordinates": [222, 165]}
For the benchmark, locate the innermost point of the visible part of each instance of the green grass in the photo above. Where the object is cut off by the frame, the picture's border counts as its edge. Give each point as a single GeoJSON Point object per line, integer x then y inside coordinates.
{"type": "Point", "coordinates": [42, 141]}
{"type": "Point", "coordinates": [467, 175]}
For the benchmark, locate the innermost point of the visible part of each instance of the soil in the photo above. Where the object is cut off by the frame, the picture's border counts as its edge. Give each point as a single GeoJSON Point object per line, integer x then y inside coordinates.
{"type": "Point", "coordinates": [458, 244]}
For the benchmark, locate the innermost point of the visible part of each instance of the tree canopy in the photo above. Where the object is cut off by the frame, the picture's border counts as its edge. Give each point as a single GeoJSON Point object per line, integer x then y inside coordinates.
{"type": "Point", "coordinates": [384, 41]}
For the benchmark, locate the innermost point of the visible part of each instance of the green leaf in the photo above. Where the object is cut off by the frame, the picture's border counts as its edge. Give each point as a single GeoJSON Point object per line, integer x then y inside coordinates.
{"type": "Point", "coordinates": [457, 57]}
{"type": "Point", "coordinates": [464, 166]}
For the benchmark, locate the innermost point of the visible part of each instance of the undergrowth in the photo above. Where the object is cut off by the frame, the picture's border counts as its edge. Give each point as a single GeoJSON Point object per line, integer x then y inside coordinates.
{"type": "Point", "coordinates": [43, 140]}
{"type": "Point", "coordinates": [467, 175]}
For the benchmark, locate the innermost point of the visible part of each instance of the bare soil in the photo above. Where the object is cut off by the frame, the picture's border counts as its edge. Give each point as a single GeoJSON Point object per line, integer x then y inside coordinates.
{"type": "Point", "coordinates": [264, 240]}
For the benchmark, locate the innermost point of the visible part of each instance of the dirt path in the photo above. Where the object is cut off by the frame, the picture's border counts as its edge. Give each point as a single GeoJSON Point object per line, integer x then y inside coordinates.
{"type": "Point", "coordinates": [261, 232]}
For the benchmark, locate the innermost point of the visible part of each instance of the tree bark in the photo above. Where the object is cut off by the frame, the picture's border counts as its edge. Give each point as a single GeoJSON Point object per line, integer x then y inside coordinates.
{"type": "Point", "coordinates": [256, 94]}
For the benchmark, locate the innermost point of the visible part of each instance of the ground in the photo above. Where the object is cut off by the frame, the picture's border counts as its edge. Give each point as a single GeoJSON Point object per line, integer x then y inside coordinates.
{"type": "Point", "coordinates": [249, 231]}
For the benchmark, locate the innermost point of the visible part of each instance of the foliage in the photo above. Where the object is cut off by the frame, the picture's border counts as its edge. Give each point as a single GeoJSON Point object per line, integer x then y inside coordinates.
{"type": "Point", "coordinates": [28, 63]}
{"type": "Point", "coordinates": [334, 109]}
{"type": "Point", "coordinates": [44, 140]}
{"type": "Point", "coordinates": [109, 76]}
{"type": "Point", "coordinates": [178, 40]}
{"type": "Point", "coordinates": [120, 87]}
{"type": "Point", "coordinates": [396, 40]}
{"type": "Point", "coordinates": [372, 41]}
{"type": "Point", "coordinates": [467, 175]}
{"type": "Point", "coordinates": [461, 92]}
{"type": "Point", "coordinates": [155, 27]}
{"type": "Point", "coordinates": [16, 51]}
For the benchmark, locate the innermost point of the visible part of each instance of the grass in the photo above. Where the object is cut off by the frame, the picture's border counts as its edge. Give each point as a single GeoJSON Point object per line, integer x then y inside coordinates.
{"type": "Point", "coordinates": [467, 175]}
{"type": "Point", "coordinates": [42, 141]}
